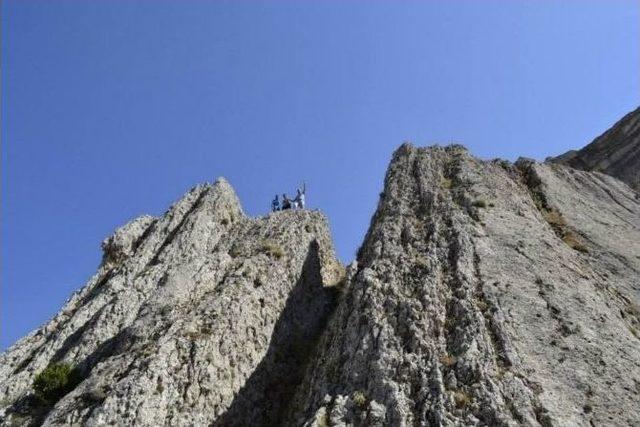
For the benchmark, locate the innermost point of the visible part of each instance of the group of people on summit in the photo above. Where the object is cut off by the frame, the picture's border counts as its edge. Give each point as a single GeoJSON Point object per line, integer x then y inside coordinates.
{"type": "Point", "coordinates": [297, 203]}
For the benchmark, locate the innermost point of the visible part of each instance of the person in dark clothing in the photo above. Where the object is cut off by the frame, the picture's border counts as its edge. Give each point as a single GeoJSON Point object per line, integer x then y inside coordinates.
{"type": "Point", "coordinates": [275, 204]}
{"type": "Point", "coordinates": [286, 203]}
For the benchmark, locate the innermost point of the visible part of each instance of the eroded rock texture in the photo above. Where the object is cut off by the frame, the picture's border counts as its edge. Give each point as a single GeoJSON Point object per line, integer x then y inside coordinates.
{"type": "Point", "coordinates": [486, 293]}
{"type": "Point", "coordinates": [616, 152]}
{"type": "Point", "coordinates": [200, 313]}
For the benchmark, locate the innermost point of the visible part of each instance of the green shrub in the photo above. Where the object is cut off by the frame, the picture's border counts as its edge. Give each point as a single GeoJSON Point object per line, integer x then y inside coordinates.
{"type": "Point", "coordinates": [359, 398]}
{"type": "Point", "coordinates": [55, 381]}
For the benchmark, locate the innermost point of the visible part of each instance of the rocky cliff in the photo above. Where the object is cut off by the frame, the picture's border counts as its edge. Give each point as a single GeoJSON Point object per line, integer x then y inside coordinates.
{"type": "Point", "coordinates": [484, 293]}
{"type": "Point", "coordinates": [195, 315]}
{"type": "Point", "coordinates": [616, 152]}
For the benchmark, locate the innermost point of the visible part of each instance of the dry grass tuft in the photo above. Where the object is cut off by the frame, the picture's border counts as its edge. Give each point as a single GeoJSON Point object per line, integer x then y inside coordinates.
{"type": "Point", "coordinates": [461, 399]}
{"type": "Point", "coordinates": [572, 240]}
{"type": "Point", "coordinates": [448, 360]}
{"type": "Point", "coordinates": [272, 249]}
{"type": "Point", "coordinates": [553, 217]}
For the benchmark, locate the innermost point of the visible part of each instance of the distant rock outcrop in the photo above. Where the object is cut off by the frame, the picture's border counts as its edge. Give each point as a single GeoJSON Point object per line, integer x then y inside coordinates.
{"type": "Point", "coordinates": [616, 152]}
{"type": "Point", "coordinates": [485, 294]}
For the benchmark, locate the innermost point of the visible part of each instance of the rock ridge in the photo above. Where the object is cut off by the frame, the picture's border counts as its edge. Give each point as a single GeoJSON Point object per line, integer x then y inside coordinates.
{"type": "Point", "coordinates": [156, 332]}
{"type": "Point", "coordinates": [484, 293]}
{"type": "Point", "coordinates": [616, 152]}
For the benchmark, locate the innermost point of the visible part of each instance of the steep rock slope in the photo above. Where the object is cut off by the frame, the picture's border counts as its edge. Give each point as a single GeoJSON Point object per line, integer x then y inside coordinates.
{"type": "Point", "coordinates": [192, 317]}
{"type": "Point", "coordinates": [616, 152]}
{"type": "Point", "coordinates": [486, 293]}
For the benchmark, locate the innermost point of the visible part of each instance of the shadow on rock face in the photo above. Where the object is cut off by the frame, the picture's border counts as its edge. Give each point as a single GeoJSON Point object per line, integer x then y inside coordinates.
{"type": "Point", "coordinates": [263, 398]}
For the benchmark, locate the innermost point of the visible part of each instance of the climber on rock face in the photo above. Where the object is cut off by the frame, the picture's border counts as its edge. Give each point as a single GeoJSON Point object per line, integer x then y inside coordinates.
{"type": "Point", "coordinates": [286, 203]}
{"type": "Point", "coordinates": [275, 204]}
{"type": "Point", "coordinates": [299, 200]}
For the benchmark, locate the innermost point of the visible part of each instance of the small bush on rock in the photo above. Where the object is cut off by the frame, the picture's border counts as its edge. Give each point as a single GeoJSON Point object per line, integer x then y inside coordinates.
{"type": "Point", "coordinates": [55, 381]}
{"type": "Point", "coordinates": [359, 399]}
{"type": "Point", "coordinates": [461, 399]}
{"type": "Point", "coordinates": [272, 249]}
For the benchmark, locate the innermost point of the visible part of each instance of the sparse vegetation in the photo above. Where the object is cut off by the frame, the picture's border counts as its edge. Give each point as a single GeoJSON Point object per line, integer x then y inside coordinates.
{"type": "Point", "coordinates": [201, 333]}
{"type": "Point", "coordinates": [553, 217]}
{"type": "Point", "coordinates": [482, 305]}
{"type": "Point", "coordinates": [322, 421]}
{"type": "Point", "coordinates": [559, 225]}
{"type": "Point", "coordinates": [571, 239]}
{"type": "Point", "coordinates": [479, 203]}
{"type": "Point", "coordinates": [55, 381]}
{"type": "Point", "coordinates": [448, 360]}
{"type": "Point", "coordinates": [359, 399]}
{"type": "Point", "coordinates": [449, 323]}
{"type": "Point", "coordinates": [446, 183]}
{"type": "Point", "coordinates": [504, 164]}
{"type": "Point", "coordinates": [421, 262]}
{"type": "Point", "coordinates": [235, 251]}
{"type": "Point", "coordinates": [272, 249]}
{"type": "Point", "coordinates": [633, 309]}
{"type": "Point", "coordinates": [461, 399]}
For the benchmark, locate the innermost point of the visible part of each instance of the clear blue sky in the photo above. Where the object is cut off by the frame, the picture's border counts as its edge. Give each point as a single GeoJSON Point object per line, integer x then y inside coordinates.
{"type": "Point", "coordinates": [113, 109]}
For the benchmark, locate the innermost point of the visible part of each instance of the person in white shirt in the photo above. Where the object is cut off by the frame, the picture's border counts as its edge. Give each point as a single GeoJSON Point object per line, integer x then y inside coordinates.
{"type": "Point", "coordinates": [299, 201]}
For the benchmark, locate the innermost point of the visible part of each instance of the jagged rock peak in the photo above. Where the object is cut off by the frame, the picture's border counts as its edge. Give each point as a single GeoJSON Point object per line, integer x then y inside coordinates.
{"type": "Point", "coordinates": [190, 316]}
{"type": "Point", "coordinates": [485, 293]}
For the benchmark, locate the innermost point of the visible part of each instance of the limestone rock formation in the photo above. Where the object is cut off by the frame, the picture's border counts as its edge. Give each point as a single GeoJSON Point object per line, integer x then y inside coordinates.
{"type": "Point", "coordinates": [184, 312]}
{"type": "Point", "coordinates": [486, 293]}
{"type": "Point", "coordinates": [616, 152]}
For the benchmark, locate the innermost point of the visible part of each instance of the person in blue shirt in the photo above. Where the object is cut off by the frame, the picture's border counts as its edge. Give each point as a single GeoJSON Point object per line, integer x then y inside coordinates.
{"type": "Point", "coordinates": [275, 204]}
